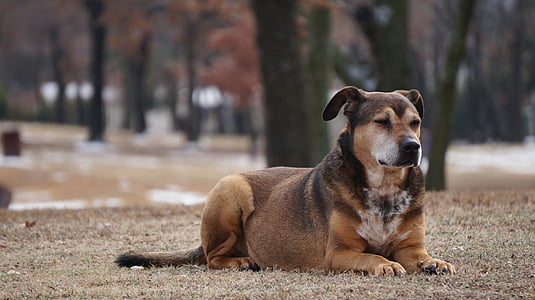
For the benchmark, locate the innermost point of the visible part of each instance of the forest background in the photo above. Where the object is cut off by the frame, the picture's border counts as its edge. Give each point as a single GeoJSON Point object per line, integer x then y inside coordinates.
{"type": "Point", "coordinates": [265, 69]}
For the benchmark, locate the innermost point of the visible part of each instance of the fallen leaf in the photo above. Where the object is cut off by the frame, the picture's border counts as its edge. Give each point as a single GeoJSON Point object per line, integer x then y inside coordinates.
{"type": "Point", "coordinates": [30, 224]}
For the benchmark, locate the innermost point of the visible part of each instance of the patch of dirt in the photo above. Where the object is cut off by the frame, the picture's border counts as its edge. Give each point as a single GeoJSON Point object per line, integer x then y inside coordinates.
{"type": "Point", "coordinates": [57, 166]}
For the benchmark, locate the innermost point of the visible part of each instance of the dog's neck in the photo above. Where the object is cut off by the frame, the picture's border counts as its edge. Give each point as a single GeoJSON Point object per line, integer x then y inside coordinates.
{"type": "Point", "coordinates": [385, 179]}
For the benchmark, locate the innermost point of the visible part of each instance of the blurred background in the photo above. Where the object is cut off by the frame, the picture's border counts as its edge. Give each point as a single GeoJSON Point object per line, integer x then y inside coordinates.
{"type": "Point", "coordinates": [110, 102]}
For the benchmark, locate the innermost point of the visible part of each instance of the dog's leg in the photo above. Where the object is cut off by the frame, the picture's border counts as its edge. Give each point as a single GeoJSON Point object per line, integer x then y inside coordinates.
{"type": "Point", "coordinates": [229, 204]}
{"type": "Point", "coordinates": [411, 252]}
{"type": "Point", "coordinates": [416, 259]}
{"type": "Point", "coordinates": [345, 250]}
{"type": "Point", "coordinates": [343, 260]}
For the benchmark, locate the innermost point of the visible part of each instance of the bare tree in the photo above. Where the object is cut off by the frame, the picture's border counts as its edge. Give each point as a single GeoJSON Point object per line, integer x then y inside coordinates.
{"type": "Point", "coordinates": [58, 57]}
{"type": "Point", "coordinates": [446, 98]}
{"type": "Point", "coordinates": [284, 88]}
{"type": "Point", "coordinates": [517, 93]}
{"type": "Point", "coordinates": [97, 125]}
{"type": "Point", "coordinates": [319, 67]}
{"type": "Point", "coordinates": [194, 18]}
{"type": "Point", "coordinates": [386, 26]}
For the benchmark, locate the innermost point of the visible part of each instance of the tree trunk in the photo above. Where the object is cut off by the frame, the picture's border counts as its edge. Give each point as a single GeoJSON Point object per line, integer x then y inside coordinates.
{"type": "Point", "coordinates": [284, 90]}
{"type": "Point", "coordinates": [516, 99]}
{"type": "Point", "coordinates": [57, 54]}
{"type": "Point", "coordinates": [128, 98]}
{"type": "Point", "coordinates": [134, 100]}
{"type": "Point", "coordinates": [172, 98]}
{"type": "Point", "coordinates": [193, 123]}
{"type": "Point", "coordinates": [80, 107]}
{"type": "Point", "coordinates": [140, 63]}
{"type": "Point", "coordinates": [98, 46]}
{"type": "Point", "coordinates": [386, 27]}
{"type": "Point", "coordinates": [436, 178]}
{"type": "Point", "coordinates": [320, 61]}
{"type": "Point", "coordinates": [489, 123]}
{"type": "Point", "coordinates": [473, 128]}
{"type": "Point", "coordinates": [344, 68]}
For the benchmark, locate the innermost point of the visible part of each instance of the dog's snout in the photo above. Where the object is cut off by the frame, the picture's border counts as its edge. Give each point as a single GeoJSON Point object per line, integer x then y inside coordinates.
{"type": "Point", "coordinates": [410, 146]}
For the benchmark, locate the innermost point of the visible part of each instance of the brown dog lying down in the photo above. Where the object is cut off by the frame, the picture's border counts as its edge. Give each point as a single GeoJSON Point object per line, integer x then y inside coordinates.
{"type": "Point", "coordinates": [360, 208]}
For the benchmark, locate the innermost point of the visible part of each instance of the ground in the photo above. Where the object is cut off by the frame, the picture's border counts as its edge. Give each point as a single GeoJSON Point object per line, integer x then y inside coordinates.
{"type": "Point", "coordinates": [488, 236]}
{"type": "Point", "coordinates": [484, 225]}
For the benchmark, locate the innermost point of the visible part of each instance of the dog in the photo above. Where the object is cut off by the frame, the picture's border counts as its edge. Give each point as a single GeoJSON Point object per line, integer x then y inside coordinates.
{"type": "Point", "coordinates": [360, 209]}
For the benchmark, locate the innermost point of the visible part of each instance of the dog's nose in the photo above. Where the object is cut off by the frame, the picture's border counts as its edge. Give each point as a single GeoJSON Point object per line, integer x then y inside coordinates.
{"type": "Point", "coordinates": [409, 146]}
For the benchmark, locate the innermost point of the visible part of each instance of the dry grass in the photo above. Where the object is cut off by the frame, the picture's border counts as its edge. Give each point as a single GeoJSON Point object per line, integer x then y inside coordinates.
{"type": "Point", "coordinates": [489, 236]}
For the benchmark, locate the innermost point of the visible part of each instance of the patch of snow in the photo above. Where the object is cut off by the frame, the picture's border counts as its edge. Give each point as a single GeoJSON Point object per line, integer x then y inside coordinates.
{"type": "Point", "coordinates": [511, 159]}
{"type": "Point", "coordinates": [68, 204]}
{"type": "Point", "coordinates": [93, 147]}
{"type": "Point", "coordinates": [18, 162]}
{"type": "Point", "coordinates": [27, 196]}
{"type": "Point", "coordinates": [107, 202]}
{"type": "Point", "coordinates": [175, 196]}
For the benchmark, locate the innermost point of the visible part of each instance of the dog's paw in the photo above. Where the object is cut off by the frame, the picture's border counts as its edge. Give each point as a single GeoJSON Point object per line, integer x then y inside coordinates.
{"type": "Point", "coordinates": [436, 266]}
{"type": "Point", "coordinates": [389, 269]}
{"type": "Point", "coordinates": [245, 263]}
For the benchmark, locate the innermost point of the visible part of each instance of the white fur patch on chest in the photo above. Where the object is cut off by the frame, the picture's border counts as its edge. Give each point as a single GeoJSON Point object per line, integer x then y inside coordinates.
{"type": "Point", "coordinates": [380, 222]}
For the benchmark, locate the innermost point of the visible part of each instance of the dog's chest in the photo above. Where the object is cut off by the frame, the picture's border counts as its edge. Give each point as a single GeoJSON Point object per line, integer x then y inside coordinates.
{"type": "Point", "coordinates": [381, 219]}
{"type": "Point", "coordinates": [387, 203]}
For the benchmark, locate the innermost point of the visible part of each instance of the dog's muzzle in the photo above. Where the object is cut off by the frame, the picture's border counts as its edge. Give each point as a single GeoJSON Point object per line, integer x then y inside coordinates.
{"type": "Point", "coordinates": [404, 154]}
{"type": "Point", "coordinates": [410, 153]}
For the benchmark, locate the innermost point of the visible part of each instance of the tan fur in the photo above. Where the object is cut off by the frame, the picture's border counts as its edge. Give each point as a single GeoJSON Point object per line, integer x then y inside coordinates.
{"type": "Point", "coordinates": [360, 209]}
{"type": "Point", "coordinates": [229, 204]}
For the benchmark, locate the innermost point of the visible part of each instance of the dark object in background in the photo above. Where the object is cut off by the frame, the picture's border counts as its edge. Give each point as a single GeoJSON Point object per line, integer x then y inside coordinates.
{"type": "Point", "coordinates": [5, 197]}
{"type": "Point", "coordinates": [11, 142]}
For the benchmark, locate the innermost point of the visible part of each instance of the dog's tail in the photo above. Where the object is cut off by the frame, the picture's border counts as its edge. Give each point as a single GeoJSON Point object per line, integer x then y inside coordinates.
{"type": "Point", "coordinates": [193, 256]}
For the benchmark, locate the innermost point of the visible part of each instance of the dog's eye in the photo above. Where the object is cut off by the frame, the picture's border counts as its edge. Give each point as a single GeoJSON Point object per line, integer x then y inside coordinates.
{"type": "Point", "coordinates": [415, 123]}
{"type": "Point", "coordinates": [384, 122]}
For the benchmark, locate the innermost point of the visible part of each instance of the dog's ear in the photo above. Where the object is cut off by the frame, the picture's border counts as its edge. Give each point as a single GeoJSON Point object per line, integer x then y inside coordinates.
{"type": "Point", "coordinates": [349, 95]}
{"type": "Point", "coordinates": [416, 99]}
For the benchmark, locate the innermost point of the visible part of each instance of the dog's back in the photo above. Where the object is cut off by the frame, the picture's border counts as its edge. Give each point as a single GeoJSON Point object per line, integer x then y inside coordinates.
{"type": "Point", "coordinates": [289, 216]}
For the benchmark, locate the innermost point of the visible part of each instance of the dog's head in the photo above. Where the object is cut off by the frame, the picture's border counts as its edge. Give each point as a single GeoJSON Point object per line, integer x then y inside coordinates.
{"type": "Point", "coordinates": [385, 126]}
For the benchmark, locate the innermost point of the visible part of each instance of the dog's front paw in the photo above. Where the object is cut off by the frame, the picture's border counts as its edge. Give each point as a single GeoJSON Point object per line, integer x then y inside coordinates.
{"type": "Point", "coordinates": [389, 269]}
{"type": "Point", "coordinates": [436, 266]}
{"type": "Point", "coordinates": [245, 263]}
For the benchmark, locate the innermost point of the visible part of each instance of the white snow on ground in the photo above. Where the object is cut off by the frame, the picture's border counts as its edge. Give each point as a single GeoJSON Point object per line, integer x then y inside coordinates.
{"type": "Point", "coordinates": [16, 162]}
{"type": "Point", "coordinates": [67, 204]}
{"type": "Point", "coordinates": [515, 159]}
{"type": "Point", "coordinates": [175, 196]}
{"type": "Point", "coordinates": [168, 196]}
